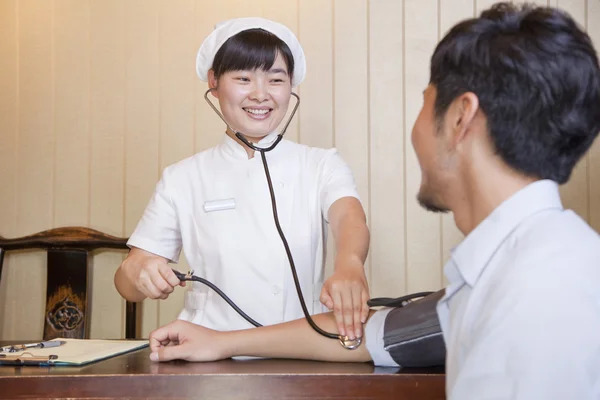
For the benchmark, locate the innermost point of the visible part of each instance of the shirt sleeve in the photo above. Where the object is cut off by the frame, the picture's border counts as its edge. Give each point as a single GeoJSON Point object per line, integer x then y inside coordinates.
{"type": "Point", "coordinates": [158, 230]}
{"type": "Point", "coordinates": [337, 181]}
{"type": "Point", "coordinates": [374, 331]}
{"type": "Point", "coordinates": [533, 345]}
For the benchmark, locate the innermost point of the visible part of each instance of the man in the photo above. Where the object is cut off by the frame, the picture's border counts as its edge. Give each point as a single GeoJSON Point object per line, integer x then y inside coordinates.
{"type": "Point", "coordinates": [512, 105]}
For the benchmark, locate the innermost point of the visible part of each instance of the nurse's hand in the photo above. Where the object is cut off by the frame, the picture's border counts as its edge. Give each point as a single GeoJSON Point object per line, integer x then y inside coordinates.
{"type": "Point", "coordinates": [346, 292]}
{"type": "Point", "coordinates": [150, 274]}
{"type": "Point", "coordinates": [182, 340]}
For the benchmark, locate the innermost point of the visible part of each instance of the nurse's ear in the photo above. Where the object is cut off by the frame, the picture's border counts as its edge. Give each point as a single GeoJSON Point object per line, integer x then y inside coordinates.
{"type": "Point", "coordinates": [212, 83]}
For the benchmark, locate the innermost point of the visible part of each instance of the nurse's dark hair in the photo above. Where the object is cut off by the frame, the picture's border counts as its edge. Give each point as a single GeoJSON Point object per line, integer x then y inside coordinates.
{"type": "Point", "coordinates": [536, 75]}
{"type": "Point", "coordinates": [252, 49]}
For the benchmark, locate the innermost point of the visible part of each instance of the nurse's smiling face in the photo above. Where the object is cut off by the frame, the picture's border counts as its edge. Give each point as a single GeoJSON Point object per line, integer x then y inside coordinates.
{"type": "Point", "coordinates": [254, 102]}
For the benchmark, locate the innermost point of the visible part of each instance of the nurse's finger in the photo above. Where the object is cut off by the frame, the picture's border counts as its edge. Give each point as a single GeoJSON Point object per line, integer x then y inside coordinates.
{"type": "Point", "coordinates": [168, 275]}
{"type": "Point", "coordinates": [150, 290]}
{"type": "Point", "coordinates": [357, 309]}
{"type": "Point", "coordinates": [161, 284]}
{"type": "Point", "coordinates": [365, 306]}
{"type": "Point", "coordinates": [348, 310]}
{"type": "Point", "coordinates": [326, 299]}
{"type": "Point", "coordinates": [337, 312]}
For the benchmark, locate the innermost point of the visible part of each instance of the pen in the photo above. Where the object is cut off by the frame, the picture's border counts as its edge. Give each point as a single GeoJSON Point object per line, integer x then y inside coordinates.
{"type": "Point", "coordinates": [21, 347]}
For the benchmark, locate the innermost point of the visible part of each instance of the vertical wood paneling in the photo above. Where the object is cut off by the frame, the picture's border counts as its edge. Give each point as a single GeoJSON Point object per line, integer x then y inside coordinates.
{"type": "Point", "coordinates": [176, 77]}
{"type": "Point", "coordinates": [72, 112]}
{"type": "Point", "coordinates": [388, 276]}
{"type": "Point", "coordinates": [593, 27]}
{"type": "Point", "coordinates": [351, 91]}
{"type": "Point", "coordinates": [316, 92]}
{"type": "Point", "coordinates": [141, 122]}
{"type": "Point", "coordinates": [107, 121]}
{"type": "Point", "coordinates": [36, 148]}
{"type": "Point", "coordinates": [575, 193]}
{"type": "Point", "coordinates": [9, 76]}
{"type": "Point", "coordinates": [423, 238]}
{"type": "Point", "coordinates": [450, 14]}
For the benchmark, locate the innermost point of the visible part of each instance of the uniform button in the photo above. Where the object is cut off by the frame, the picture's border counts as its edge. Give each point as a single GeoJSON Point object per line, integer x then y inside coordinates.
{"type": "Point", "coordinates": [275, 289]}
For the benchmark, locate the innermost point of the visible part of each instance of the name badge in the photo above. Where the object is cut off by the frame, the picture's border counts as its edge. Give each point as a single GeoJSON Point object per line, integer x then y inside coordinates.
{"type": "Point", "coordinates": [219, 205]}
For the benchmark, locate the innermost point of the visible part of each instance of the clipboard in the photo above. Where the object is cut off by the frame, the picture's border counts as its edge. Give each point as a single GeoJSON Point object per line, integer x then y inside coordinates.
{"type": "Point", "coordinates": [74, 352]}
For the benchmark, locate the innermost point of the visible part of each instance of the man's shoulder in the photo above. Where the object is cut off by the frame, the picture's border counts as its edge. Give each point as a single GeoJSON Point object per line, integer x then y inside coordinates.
{"type": "Point", "coordinates": [558, 239]}
{"type": "Point", "coordinates": [552, 258]}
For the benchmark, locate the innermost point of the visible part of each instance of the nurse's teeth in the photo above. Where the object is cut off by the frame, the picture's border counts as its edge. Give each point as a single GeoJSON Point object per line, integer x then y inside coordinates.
{"type": "Point", "coordinates": [257, 112]}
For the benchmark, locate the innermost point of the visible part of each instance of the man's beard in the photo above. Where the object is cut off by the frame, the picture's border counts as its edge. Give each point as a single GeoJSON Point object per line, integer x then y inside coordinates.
{"type": "Point", "coordinates": [429, 203]}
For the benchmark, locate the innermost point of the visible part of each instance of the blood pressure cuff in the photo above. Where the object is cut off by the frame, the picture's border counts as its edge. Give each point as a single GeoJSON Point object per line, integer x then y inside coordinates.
{"type": "Point", "coordinates": [412, 333]}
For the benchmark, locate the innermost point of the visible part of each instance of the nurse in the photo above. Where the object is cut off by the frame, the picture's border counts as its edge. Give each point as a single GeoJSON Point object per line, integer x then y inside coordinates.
{"type": "Point", "coordinates": [216, 205]}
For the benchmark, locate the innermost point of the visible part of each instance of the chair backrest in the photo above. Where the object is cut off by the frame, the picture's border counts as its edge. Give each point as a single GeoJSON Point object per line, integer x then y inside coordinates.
{"type": "Point", "coordinates": [67, 300]}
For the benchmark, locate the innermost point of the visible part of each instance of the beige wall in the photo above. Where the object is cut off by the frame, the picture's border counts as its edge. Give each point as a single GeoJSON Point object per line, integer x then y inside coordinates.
{"type": "Point", "coordinates": [97, 96]}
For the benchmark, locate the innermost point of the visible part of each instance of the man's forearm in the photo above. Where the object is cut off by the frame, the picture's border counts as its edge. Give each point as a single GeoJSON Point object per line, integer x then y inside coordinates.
{"type": "Point", "coordinates": [295, 339]}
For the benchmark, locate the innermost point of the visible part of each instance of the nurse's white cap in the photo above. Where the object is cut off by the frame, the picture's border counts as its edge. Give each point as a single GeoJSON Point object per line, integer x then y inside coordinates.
{"type": "Point", "coordinates": [226, 29]}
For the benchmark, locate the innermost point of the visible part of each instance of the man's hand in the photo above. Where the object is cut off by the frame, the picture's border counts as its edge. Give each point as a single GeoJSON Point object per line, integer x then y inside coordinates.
{"type": "Point", "coordinates": [182, 340]}
{"type": "Point", "coordinates": [346, 292]}
{"type": "Point", "coordinates": [143, 274]}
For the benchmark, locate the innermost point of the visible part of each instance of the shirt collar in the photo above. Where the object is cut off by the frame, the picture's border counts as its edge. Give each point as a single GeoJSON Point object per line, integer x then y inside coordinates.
{"type": "Point", "coordinates": [474, 252]}
{"type": "Point", "coordinates": [232, 148]}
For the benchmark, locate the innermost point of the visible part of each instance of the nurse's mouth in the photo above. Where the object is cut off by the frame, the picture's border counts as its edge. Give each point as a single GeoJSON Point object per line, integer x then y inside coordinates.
{"type": "Point", "coordinates": [258, 113]}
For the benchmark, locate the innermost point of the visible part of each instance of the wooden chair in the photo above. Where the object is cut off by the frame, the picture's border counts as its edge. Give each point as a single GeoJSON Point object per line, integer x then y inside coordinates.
{"type": "Point", "coordinates": [67, 303]}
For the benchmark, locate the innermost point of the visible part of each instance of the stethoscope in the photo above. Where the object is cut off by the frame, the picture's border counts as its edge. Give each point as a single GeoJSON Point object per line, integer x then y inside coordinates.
{"type": "Point", "coordinates": [345, 341]}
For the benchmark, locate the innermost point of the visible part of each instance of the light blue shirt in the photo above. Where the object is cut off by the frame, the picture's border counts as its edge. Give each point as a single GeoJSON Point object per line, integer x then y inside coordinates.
{"type": "Point", "coordinates": [521, 314]}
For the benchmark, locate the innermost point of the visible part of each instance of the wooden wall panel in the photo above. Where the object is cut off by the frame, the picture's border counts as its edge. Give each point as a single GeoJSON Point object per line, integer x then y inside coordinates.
{"type": "Point", "coordinates": [107, 130]}
{"type": "Point", "coordinates": [387, 144]}
{"type": "Point", "coordinates": [72, 112]}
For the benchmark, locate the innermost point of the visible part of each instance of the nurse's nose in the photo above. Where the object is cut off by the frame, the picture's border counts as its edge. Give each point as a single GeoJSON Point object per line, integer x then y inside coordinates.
{"type": "Point", "coordinates": [260, 93]}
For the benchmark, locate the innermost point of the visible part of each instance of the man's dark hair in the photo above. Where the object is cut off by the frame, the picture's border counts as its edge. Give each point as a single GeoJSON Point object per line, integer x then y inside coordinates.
{"type": "Point", "coordinates": [537, 78]}
{"type": "Point", "coordinates": [252, 49]}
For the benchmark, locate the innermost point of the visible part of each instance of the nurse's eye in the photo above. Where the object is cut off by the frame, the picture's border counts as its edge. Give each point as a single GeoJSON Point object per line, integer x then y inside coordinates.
{"type": "Point", "coordinates": [242, 79]}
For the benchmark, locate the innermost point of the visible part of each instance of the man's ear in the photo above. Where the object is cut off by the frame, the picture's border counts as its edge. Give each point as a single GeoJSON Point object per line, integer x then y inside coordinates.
{"type": "Point", "coordinates": [212, 83]}
{"type": "Point", "coordinates": [463, 111]}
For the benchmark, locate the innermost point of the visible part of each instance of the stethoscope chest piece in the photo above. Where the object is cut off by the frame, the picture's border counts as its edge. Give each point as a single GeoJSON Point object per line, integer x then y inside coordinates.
{"type": "Point", "coordinates": [350, 344]}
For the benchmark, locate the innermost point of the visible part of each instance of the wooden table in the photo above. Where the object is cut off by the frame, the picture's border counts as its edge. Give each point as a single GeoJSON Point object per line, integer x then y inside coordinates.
{"type": "Point", "coordinates": [134, 376]}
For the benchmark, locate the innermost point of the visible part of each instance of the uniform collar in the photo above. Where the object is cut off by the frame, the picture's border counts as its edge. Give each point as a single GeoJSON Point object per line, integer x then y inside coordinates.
{"type": "Point", "coordinates": [232, 148]}
{"type": "Point", "coordinates": [472, 255]}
